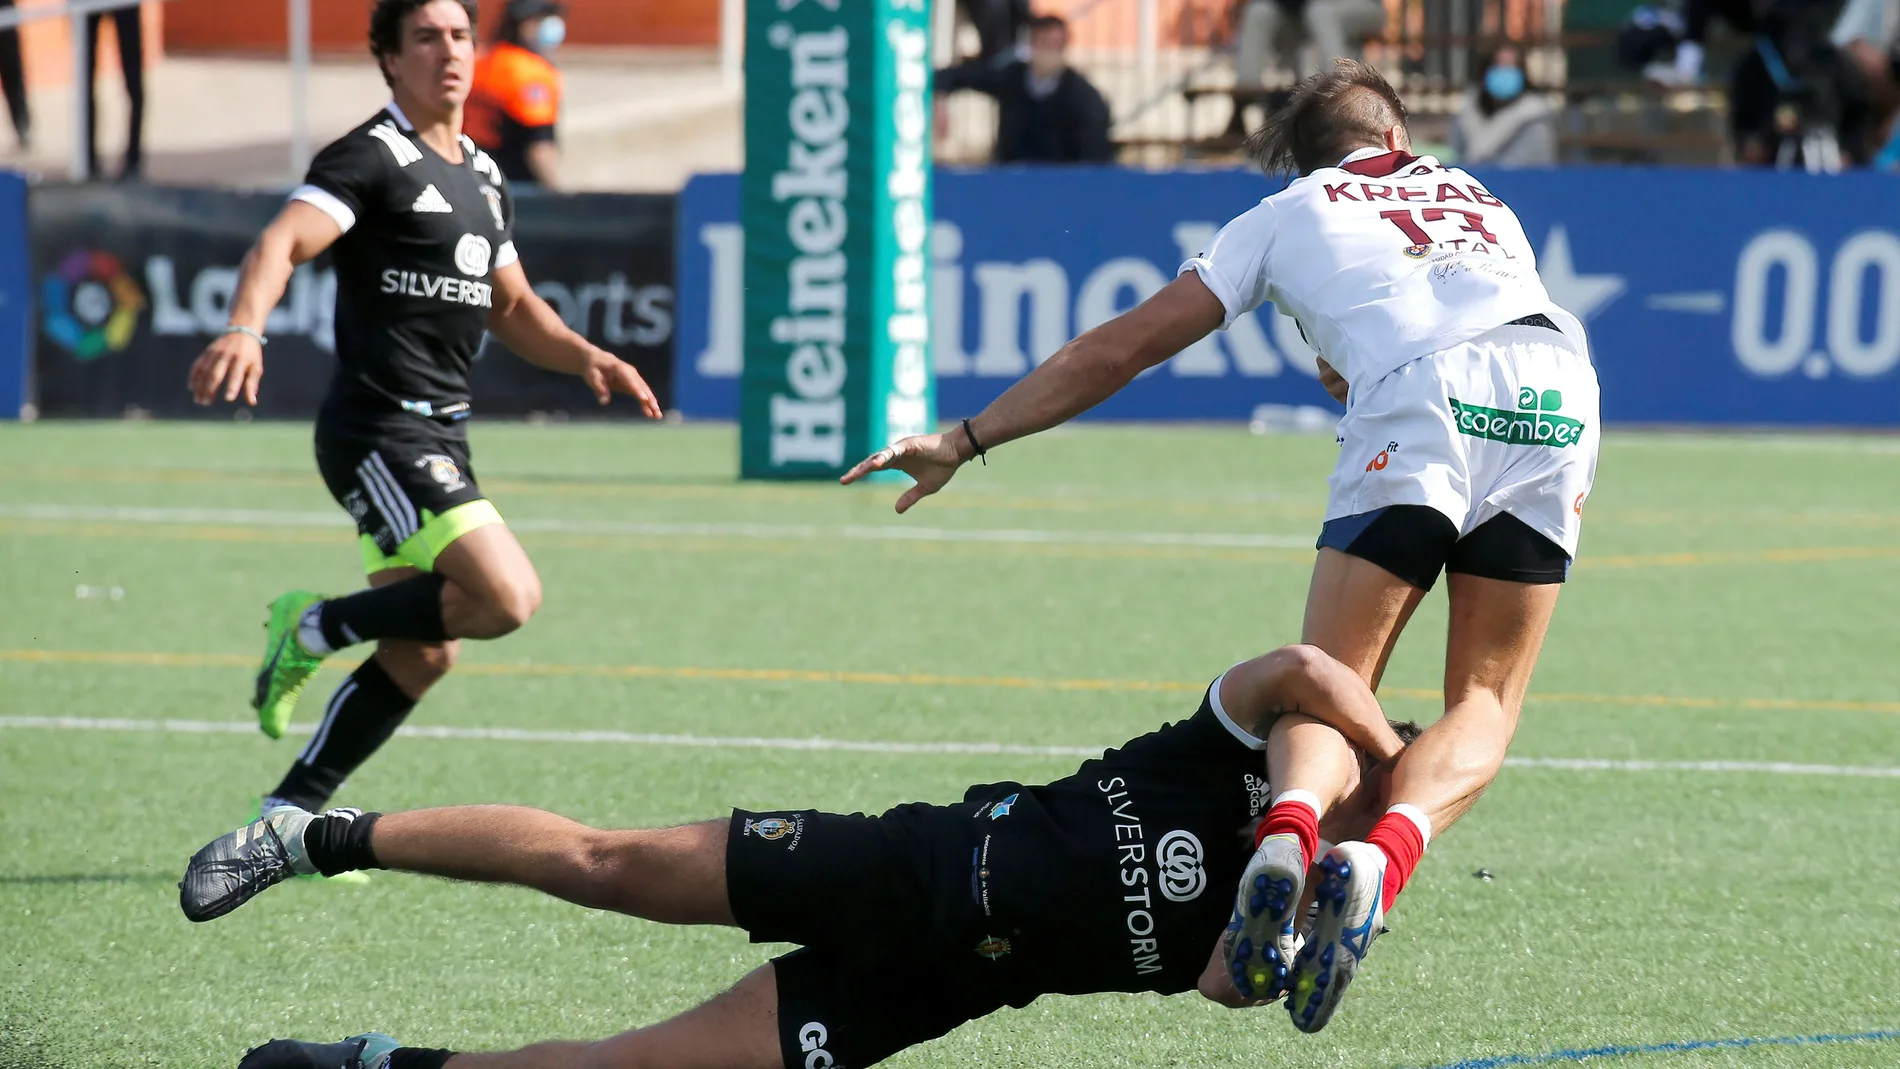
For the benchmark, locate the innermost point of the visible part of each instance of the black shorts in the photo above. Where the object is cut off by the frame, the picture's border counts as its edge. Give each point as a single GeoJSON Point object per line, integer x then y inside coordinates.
{"type": "Point", "coordinates": [407, 484]}
{"type": "Point", "coordinates": [895, 948]}
{"type": "Point", "coordinates": [1416, 542]}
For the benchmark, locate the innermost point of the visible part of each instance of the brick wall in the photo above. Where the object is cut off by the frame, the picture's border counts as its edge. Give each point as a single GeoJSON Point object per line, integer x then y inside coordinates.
{"type": "Point", "coordinates": [343, 25]}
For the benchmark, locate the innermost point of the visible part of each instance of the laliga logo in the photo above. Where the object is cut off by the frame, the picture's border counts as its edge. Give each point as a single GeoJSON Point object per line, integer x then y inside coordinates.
{"type": "Point", "coordinates": [91, 305]}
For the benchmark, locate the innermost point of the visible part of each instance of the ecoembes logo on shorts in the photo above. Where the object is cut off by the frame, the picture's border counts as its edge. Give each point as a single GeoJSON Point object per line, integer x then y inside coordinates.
{"type": "Point", "coordinates": [1535, 422]}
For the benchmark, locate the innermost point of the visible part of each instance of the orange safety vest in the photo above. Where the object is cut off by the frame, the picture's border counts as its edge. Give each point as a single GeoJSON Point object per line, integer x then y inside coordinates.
{"type": "Point", "coordinates": [515, 102]}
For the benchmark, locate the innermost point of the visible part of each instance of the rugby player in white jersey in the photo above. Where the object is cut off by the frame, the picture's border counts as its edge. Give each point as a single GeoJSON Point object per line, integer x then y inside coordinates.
{"type": "Point", "coordinates": [1468, 446]}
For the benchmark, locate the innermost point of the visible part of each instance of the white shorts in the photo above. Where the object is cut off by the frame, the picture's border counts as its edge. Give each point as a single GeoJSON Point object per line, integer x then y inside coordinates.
{"type": "Point", "coordinates": [1506, 422]}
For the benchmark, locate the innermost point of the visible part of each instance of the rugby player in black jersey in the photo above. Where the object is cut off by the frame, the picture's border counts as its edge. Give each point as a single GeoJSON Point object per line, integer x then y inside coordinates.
{"type": "Point", "coordinates": [1116, 878]}
{"type": "Point", "coordinates": [420, 225]}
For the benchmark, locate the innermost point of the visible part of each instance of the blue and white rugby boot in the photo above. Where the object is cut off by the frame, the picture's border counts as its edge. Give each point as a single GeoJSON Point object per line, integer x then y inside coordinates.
{"type": "Point", "coordinates": [368, 1051]}
{"type": "Point", "coordinates": [238, 866]}
{"type": "Point", "coordinates": [1262, 940]}
{"type": "Point", "coordinates": [1351, 916]}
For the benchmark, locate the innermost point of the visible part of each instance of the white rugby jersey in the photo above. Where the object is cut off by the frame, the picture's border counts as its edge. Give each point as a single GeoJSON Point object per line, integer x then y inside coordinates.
{"type": "Point", "coordinates": [1381, 260]}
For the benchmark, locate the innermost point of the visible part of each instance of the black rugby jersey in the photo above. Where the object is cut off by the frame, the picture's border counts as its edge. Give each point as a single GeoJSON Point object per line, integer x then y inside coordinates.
{"type": "Point", "coordinates": [422, 238]}
{"type": "Point", "coordinates": [1122, 876]}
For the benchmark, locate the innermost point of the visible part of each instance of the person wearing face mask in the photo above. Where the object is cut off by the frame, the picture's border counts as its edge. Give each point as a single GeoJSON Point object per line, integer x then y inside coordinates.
{"type": "Point", "coordinates": [1502, 122]}
{"type": "Point", "coordinates": [517, 96]}
{"type": "Point", "coordinates": [1047, 112]}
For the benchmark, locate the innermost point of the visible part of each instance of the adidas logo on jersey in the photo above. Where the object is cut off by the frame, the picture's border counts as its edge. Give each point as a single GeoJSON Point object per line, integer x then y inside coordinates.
{"type": "Point", "coordinates": [432, 200]}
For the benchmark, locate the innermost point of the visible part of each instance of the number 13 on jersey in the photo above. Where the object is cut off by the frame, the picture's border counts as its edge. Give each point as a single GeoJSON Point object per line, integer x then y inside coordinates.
{"type": "Point", "coordinates": [1407, 220]}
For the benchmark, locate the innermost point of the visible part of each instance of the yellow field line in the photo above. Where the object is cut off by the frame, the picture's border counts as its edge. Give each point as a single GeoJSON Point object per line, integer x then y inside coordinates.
{"type": "Point", "coordinates": [924, 679]}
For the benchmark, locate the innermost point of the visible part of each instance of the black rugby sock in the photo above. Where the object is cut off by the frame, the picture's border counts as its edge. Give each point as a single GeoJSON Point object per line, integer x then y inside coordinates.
{"type": "Point", "coordinates": [337, 843]}
{"type": "Point", "coordinates": [419, 1058]}
{"type": "Point", "coordinates": [409, 609]}
{"type": "Point", "coordinates": [363, 713]}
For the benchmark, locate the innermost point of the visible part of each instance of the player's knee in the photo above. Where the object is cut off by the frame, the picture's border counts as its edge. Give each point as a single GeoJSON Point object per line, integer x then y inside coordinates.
{"type": "Point", "coordinates": [416, 666]}
{"type": "Point", "coordinates": [1304, 658]}
{"type": "Point", "coordinates": [517, 601]}
{"type": "Point", "coordinates": [435, 659]}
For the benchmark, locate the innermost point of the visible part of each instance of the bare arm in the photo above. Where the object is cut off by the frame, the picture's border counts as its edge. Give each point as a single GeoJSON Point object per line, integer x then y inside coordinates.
{"type": "Point", "coordinates": [1303, 679]}
{"type": "Point", "coordinates": [1081, 375]}
{"type": "Point", "coordinates": [1095, 366]}
{"type": "Point", "coordinates": [544, 161]}
{"type": "Point", "coordinates": [525, 324]}
{"type": "Point", "coordinates": [235, 362]}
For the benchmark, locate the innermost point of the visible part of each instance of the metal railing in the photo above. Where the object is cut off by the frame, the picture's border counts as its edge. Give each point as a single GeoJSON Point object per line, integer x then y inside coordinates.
{"type": "Point", "coordinates": [1166, 66]}
{"type": "Point", "coordinates": [77, 11]}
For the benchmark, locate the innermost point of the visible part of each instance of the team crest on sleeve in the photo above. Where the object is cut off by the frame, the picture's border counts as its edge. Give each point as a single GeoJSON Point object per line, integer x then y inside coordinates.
{"type": "Point", "coordinates": [992, 948]}
{"type": "Point", "coordinates": [772, 829]}
{"type": "Point", "coordinates": [443, 470]}
{"type": "Point", "coordinates": [493, 197]}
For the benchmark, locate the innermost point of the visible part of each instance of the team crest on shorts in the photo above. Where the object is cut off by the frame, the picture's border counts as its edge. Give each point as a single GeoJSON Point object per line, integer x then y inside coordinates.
{"type": "Point", "coordinates": [772, 829]}
{"type": "Point", "coordinates": [992, 948]}
{"type": "Point", "coordinates": [443, 470]}
{"type": "Point", "coordinates": [354, 504]}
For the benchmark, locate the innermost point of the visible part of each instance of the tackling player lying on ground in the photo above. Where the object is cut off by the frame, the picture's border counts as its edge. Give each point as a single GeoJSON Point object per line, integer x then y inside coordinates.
{"type": "Point", "coordinates": [420, 225]}
{"type": "Point", "coordinates": [1116, 878]}
{"type": "Point", "coordinates": [1468, 445]}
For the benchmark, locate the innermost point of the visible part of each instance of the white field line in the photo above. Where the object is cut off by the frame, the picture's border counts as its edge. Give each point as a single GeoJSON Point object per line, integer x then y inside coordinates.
{"type": "Point", "coordinates": [751, 742]}
{"type": "Point", "coordinates": [771, 532]}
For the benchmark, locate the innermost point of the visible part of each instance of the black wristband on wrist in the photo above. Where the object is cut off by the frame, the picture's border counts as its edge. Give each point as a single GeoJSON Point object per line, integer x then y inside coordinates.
{"type": "Point", "coordinates": [976, 445]}
{"type": "Point", "coordinates": [419, 1058]}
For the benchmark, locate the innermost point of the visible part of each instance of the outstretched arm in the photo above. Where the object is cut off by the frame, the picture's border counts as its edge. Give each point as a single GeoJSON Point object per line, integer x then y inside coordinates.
{"type": "Point", "coordinates": [1303, 679]}
{"type": "Point", "coordinates": [525, 324]}
{"type": "Point", "coordinates": [235, 361]}
{"type": "Point", "coordinates": [1081, 375]}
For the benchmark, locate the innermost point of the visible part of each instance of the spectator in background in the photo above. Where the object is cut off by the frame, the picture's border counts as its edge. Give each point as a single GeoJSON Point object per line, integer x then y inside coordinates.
{"type": "Point", "coordinates": [997, 22]}
{"type": "Point", "coordinates": [13, 83]}
{"type": "Point", "coordinates": [516, 99]}
{"type": "Point", "coordinates": [1335, 28]}
{"type": "Point", "coordinates": [1867, 36]}
{"type": "Point", "coordinates": [1046, 111]}
{"type": "Point", "coordinates": [1503, 123]}
{"type": "Point", "coordinates": [1696, 16]}
{"type": "Point", "coordinates": [1791, 103]}
{"type": "Point", "coordinates": [130, 32]}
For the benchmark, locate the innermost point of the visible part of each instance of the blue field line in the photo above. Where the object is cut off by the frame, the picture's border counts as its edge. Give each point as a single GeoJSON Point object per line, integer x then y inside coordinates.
{"type": "Point", "coordinates": [1679, 1047]}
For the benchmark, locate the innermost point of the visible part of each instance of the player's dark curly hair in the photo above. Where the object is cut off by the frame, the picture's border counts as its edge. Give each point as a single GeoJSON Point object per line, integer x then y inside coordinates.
{"type": "Point", "coordinates": [1330, 115]}
{"type": "Point", "coordinates": [385, 26]}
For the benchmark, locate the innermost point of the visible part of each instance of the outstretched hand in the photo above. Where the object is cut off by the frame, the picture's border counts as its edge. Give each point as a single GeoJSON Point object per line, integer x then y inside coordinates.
{"type": "Point", "coordinates": [232, 365]}
{"type": "Point", "coordinates": [607, 375]}
{"type": "Point", "coordinates": [931, 459]}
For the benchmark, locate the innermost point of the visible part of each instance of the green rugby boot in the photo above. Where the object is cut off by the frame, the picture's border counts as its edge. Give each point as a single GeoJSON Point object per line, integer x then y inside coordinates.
{"type": "Point", "coordinates": [287, 665]}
